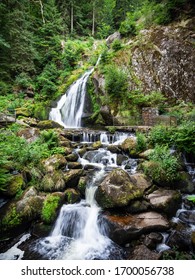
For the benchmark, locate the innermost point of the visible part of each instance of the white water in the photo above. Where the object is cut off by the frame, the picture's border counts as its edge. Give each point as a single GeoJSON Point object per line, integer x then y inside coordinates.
{"type": "Point", "coordinates": [69, 110]}
{"type": "Point", "coordinates": [77, 234]}
{"type": "Point", "coordinates": [14, 252]}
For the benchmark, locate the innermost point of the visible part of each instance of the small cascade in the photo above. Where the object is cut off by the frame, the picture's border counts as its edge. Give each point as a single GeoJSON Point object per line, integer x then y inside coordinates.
{"type": "Point", "coordinates": [77, 233]}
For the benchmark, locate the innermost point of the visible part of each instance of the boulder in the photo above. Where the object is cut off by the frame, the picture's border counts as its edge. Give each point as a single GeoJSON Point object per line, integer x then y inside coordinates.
{"type": "Point", "coordinates": [141, 181]}
{"type": "Point", "coordinates": [141, 252]}
{"type": "Point", "coordinates": [123, 229]}
{"type": "Point", "coordinates": [15, 185]}
{"type": "Point", "coordinates": [72, 177]}
{"type": "Point", "coordinates": [112, 37]}
{"type": "Point", "coordinates": [51, 207]}
{"type": "Point", "coordinates": [187, 217]}
{"type": "Point", "coordinates": [146, 154]}
{"type": "Point", "coordinates": [117, 190]}
{"type": "Point", "coordinates": [48, 124]}
{"type": "Point", "coordinates": [31, 134]}
{"type": "Point", "coordinates": [152, 240]}
{"type": "Point", "coordinates": [167, 201]}
{"type": "Point", "coordinates": [23, 112]}
{"type": "Point", "coordinates": [72, 196]}
{"type": "Point", "coordinates": [82, 184]}
{"type": "Point", "coordinates": [185, 183]}
{"type": "Point", "coordinates": [74, 165]}
{"type": "Point", "coordinates": [53, 182]}
{"type": "Point", "coordinates": [129, 146]}
{"type": "Point", "coordinates": [72, 157]}
{"type": "Point", "coordinates": [54, 162]}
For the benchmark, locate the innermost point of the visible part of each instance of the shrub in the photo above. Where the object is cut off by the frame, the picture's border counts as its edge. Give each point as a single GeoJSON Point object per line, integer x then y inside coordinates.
{"type": "Point", "coordinates": [116, 45]}
{"type": "Point", "coordinates": [141, 142]}
{"type": "Point", "coordinates": [164, 167]}
{"type": "Point", "coordinates": [161, 135]}
{"type": "Point", "coordinates": [116, 81]}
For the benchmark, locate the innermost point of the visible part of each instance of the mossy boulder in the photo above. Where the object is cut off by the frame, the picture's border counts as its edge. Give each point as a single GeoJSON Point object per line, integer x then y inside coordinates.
{"type": "Point", "coordinates": [23, 112]}
{"type": "Point", "coordinates": [15, 185]}
{"type": "Point", "coordinates": [18, 215]}
{"type": "Point", "coordinates": [48, 124]}
{"type": "Point", "coordinates": [72, 157]}
{"type": "Point", "coordinates": [74, 165]}
{"type": "Point", "coordinates": [72, 177]}
{"type": "Point", "coordinates": [53, 182]}
{"type": "Point", "coordinates": [72, 196]}
{"type": "Point", "coordinates": [97, 145]}
{"type": "Point", "coordinates": [82, 184]}
{"type": "Point", "coordinates": [117, 190]}
{"type": "Point", "coordinates": [184, 183]}
{"type": "Point", "coordinates": [129, 146]}
{"type": "Point", "coordinates": [53, 163]}
{"type": "Point", "coordinates": [51, 207]}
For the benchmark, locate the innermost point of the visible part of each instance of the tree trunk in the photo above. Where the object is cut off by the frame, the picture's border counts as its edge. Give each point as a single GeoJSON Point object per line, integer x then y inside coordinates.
{"type": "Point", "coordinates": [72, 18]}
{"type": "Point", "coordinates": [42, 12]}
{"type": "Point", "coordinates": [93, 23]}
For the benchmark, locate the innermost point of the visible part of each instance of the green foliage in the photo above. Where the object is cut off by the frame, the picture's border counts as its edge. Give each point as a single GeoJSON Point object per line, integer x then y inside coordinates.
{"type": "Point", "coordinates": [191, 198]}
{"type": "Point", "coordinates": [116, 81]}
{"type": "Point", "coordinates": [11, 219]}
{"type": "Point", "coordinates": [184, 137]}
{"type": "Point", "coordinates": [164, 165]}
{"type": "Point", "coordinates": [50, 206]}
{"type": "Point", "coordinates": [141, 142]}
{"type": "Point", "coordinates": [116, 45]}
{"type": "Point", "coordinates": [24, 81]}
{"type": "Point", "coordinates": [161, 135]}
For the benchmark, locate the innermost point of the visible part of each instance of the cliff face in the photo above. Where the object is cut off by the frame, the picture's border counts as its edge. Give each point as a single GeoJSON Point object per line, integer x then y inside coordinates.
{"type": "Point", "coordinates": [160, 59]}
{"type": "Point", "coordinates": [164, 60]}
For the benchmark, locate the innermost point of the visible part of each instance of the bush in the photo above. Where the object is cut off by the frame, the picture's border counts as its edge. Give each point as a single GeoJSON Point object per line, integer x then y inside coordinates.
{"type": "Point", "coordinates": [116, 45]}
{"type": "Point", "coordinates": [141, 142]}
{"type": "Point", "coordinates": [164, 165]}
{"type": "Point", "coordinates": [116, 81]}
{"type": "Point", "coordinates": [161, 135]}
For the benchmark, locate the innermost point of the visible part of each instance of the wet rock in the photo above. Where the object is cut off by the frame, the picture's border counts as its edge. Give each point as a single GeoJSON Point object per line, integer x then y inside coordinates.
{"type": "Point", "coordinates": [74, 165]}
{"type": "Point", "coordinates": [53, 163]}
{"type": "Point", "coordinates": [31, 134]}
{"type": "Point", "coordinates": [117, 190]}
{"type": "Point", "coordinates": [120, 159]}
{"type": "Point", "coordinates": [180, 239]}
{"type": "Point", "coordinates": [72, 196]}
{"type": "Point", "coordinates": [82, 151]}
{"type": "Point", "coordinates": [97, 145]}
{"type": "Point", "coordinates": [123, 229]}
{"type": "Point", "coordinates": [187, 217]}
{"type": "Point", "coordinates": [114, 149]}
{"type": "Point", "coordinates": [141, 252]}
{"type": "Point", "coordinates": [72, 177]}
{"type": "Point", "coordinates": [152, 239]}
{"type": "Point", "coordinates": [167, 201]}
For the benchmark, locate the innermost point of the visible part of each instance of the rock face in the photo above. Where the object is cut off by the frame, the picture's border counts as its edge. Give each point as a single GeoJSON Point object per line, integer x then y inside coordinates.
{"type": "Point", "coordinates": [117, 190]}
{"type": "Point", "coordinates": [123, 229]}
{"type": "Point", "coordinates": [113, 37]}
{"type": "Point", "coordinates": [165, 59]}
{"type": "Point", "coordinates": [30, 134]}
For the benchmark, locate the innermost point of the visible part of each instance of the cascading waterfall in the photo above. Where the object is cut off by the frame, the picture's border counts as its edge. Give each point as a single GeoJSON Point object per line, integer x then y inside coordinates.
{"type": "Point", "coordinates": [70, 107]}
{"type": "Point", "coordinates": [77, 233]}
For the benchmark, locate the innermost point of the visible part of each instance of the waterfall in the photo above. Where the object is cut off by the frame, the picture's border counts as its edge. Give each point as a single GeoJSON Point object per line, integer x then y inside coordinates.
{"type": "Point", "coordinates": [77, 233]}
{"type": "Point", "coordinates": [70, 107]}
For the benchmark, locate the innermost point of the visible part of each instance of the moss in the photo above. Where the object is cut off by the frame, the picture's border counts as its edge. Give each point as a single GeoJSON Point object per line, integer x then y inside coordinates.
{"type": "Point", "coordinates": [82, 185]}
{"type": "Point", "coordinates": [15, 186]}
{"type": "Point", "coordinates": [72, 196]}
{"type": "Point", "coordinates": [48, 124]}
{"type": "Point", "coordinates": [41, 111]}
{"type": "Point", "coordinates": [11, 219]}
{"type": "Point", "coordinates": [50, 207]}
